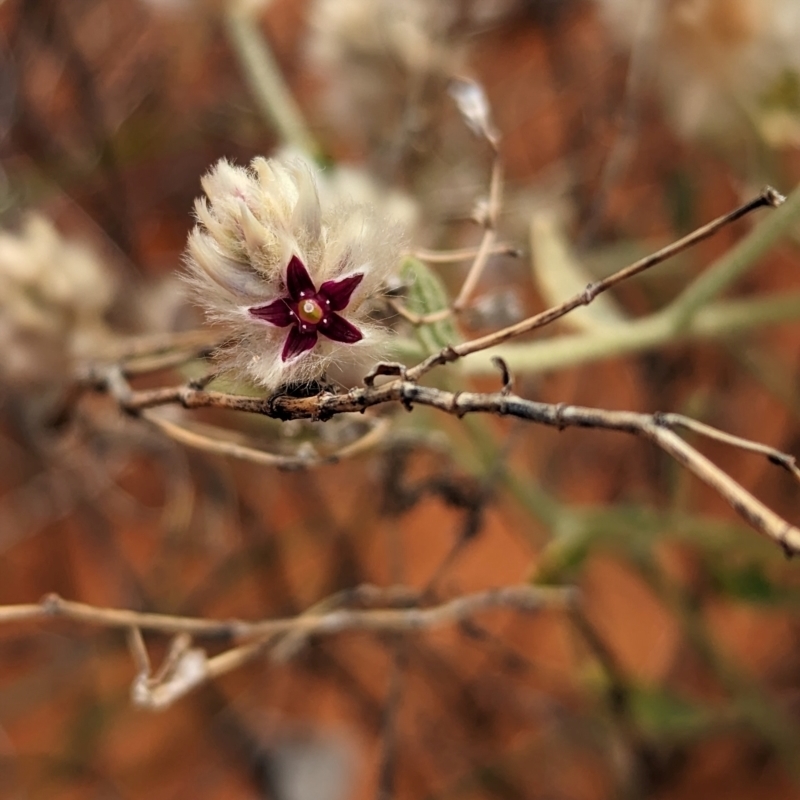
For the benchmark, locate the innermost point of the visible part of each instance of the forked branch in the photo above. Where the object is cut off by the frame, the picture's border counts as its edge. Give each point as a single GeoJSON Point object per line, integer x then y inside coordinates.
{"type": "Point", "coordinates": [402, 387]}
{"type": "Point", "coordinates": [188, 666]}
{"type": "Point", "coordinates": [657, 428]}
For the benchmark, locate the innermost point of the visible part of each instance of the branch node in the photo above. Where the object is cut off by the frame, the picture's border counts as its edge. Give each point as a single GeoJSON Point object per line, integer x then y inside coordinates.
{"type": "Point", "coordinates": [454, 406]}
{"type": "Point", "coordinates": [661, 420]}
{"type": "Point", "coordinates": [198, 384]}
{"type": "Point", "coordinates": [506, 375]}
{"type": "Point", "coordinates": [558, 415]}
{"type": "Point", "coordinates": [120, 390]}
{"type": "Point", "coordinates": [391, 368]}
{"type": "Point", "coordinates": [448, 354]}
{"type": "Point", "coordinates": [187, 394]}
{"type": "Point", "coordinates": [51, 604]}
{"type": "Point", "coordinates": [275, 407]}
{"type": "Point", "coordinates": [590, 292]}
{"type": "Point", "coordinates": [407, 394]}
{"type": "Point", "coordinates": [783, 540]}
{"type": "Point", "coordinates": [788, 462]}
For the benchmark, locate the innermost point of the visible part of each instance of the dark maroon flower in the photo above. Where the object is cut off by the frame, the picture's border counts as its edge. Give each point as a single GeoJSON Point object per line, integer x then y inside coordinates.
{"type": "Point", "coordinates": [311, 311]}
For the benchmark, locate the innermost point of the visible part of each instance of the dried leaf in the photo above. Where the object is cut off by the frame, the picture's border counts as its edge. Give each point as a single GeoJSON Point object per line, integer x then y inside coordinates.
{"type": "Point", "coordinates": [474, 107]}
{"type": "Point", "coordinates": [426, 295]}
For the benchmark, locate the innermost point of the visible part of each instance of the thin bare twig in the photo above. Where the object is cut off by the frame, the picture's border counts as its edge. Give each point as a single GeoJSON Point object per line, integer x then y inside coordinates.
{"type": "Point", "coordinates": [464, 254]}
{"type": "Point", "coordinates": [768, 198]}
{"type": "Point", "coordinates": [488, 244]}
{"type": "Point", "coordinates": [788, 462]}
{"type": "Point", "coordinates": [405, 389]}
{"type": "Point", "coordinates": [489, 237]}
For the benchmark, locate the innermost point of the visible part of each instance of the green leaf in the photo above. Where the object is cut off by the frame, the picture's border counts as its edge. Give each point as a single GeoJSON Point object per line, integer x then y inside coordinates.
{"type": "Point", "coordinates": [778, 117]}
{"type": "Point", "coordinates": [783, 92]}
{"type": "Point", "coordinates": [666, 715]}
{"type": "Point", "coordinates": [748, 582]}
{"type": "Point", "coordinates": [426, 295]}
{"type": "Point", "coordinates": [562, 559]}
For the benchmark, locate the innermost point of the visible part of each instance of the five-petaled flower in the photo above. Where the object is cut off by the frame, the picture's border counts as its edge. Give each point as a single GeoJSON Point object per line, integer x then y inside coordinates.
{"type": "Point", "coordinates": [309, 310]}
{"type": "Point", "coordinates": [267, 255]}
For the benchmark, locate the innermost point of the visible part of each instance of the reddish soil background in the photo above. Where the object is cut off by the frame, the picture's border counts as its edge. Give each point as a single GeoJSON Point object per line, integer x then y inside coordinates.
{"type": "Point", "coordinates": [117, 110]}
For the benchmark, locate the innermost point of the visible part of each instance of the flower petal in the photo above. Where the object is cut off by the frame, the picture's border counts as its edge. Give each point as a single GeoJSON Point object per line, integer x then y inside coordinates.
{"type": "Point", "coordinates": [339, 329]}
{"type": "Point", "coordinates": [276, 313]}
{"type": "Point", "coordinates": [340, 292]}
{"type": "Point", "coordinates": [298, 281]}
{"type": "Point", "coordinates": [297, 343]}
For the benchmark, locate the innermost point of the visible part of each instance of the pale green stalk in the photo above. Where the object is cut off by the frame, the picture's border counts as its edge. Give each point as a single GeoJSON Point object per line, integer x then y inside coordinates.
{"type": "Point", "coordinates": [719, 320]}
{"type": "Point", "coordinates": [263, 75]}
{"type": "Point", "coordinates": [713, 281]}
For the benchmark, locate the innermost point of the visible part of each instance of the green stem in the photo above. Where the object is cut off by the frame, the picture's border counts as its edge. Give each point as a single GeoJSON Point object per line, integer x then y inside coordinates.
{"type": "Point", "coordinates": [713, 281]}
{"type": "Point", "coordinates": [263, 75]}
{"type": "Point", "coordinates": [721, 319]}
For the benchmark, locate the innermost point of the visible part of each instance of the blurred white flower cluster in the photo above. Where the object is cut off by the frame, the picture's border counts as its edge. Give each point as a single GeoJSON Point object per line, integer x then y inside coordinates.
{"type": "Point", "coordinates": [716, 62]}
{"type": "Point", "coordinates": [385, 63]}
{"type": "Point", "coordinates": [380, 59]}
{"type": "Point", "coordinates": [54, 295]}
{"type": "Point", "coordinates": [410, 33]}
{"type": "Point", "coordinates": [293, 281]}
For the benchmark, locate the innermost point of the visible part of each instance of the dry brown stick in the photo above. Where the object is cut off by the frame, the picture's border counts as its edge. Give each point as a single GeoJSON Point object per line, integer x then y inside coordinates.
{"type": "Point", "coordinates": [464, 254]}
{"type": "Point", "coordinates": [489, 237]}
{"type": "Point", "coordinates": [487, 246]}
{"type": "Point", "coordinates": [788, 462]}
{"type": "Point", "coordinates": [340, 620]}
{"type": "Point", "coordinates": [149, 345]}
{"type": "Point", "coordinates": [768, 198]}
{"type": "Point", "coordinates": [406, 391]}
{"type": "Point", "coordinates": [654, 427]}
{"type": "Point", "coordinates": [185, 667]}
{"type": "Point", "coordinates": [224, 442]}
{"type": "Point", "coordinates": [144, 365]}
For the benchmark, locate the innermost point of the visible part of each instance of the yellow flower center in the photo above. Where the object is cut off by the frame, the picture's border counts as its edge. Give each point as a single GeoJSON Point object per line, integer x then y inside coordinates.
{"type": "Point", "coordinates": [310, 311]}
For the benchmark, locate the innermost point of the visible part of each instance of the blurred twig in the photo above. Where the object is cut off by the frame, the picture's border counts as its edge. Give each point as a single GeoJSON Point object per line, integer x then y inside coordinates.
{"type": "Point", "coordinates": [188, 666]}
{"type": "Point", "coordinates": [465, 254]}
{"type": "Point", "coordinates": [474, 107]}
{"type": "Point", "coordinates": [654, 427]}
{"type": "Point", "coordinates": [340, 620]}
{"type": "Point", "coordinates": [219, 441]}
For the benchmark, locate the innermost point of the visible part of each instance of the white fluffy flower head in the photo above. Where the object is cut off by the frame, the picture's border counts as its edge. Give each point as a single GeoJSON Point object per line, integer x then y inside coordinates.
{"type": "Point", "coordinates": [293, 282]}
